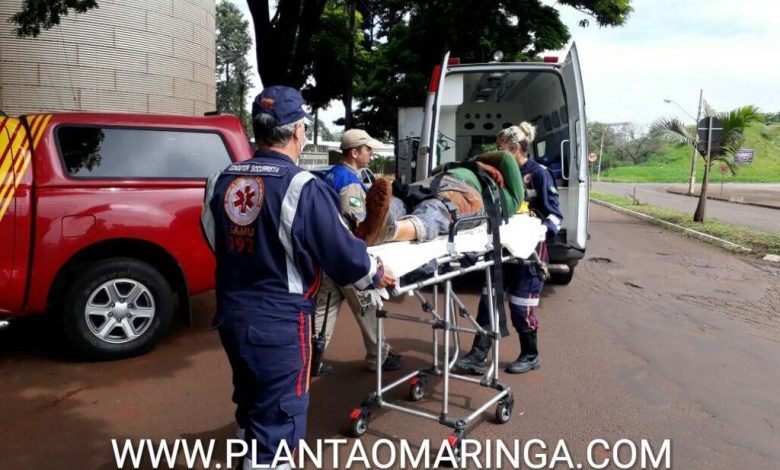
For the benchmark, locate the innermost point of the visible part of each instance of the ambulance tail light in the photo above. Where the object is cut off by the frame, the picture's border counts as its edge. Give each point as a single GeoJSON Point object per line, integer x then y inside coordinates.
{"type": "Point", "coordinates": [433, 87]}
{"type": "Point", "coordinates": [550, 59]}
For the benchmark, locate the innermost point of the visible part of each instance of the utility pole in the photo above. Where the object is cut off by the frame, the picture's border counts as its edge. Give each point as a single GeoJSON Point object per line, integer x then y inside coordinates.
{"type": "Point", "coordinates": [316, 127]}
{"type": "Point", "coordinates": [601, 153]}
{"type": "Point", "coordinates": [692, 185]}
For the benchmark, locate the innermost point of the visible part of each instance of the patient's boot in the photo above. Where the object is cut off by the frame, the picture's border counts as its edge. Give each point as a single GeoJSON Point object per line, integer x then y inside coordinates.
{"type": "Point", "coordinates": [475, 361]}
{"type": "Point", "coordinates": [529, 355]}
{"type": "Point", "coordinates": [378, 226]}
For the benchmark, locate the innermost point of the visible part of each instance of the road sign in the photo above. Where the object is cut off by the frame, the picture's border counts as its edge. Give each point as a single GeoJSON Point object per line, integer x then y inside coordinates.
{"type": "Point", "coordinates": [592, 157]}
{"type": "Point", "coordinates": [710, 129]}
{"type": "Point", "coordinates": [743, 156]}
{"type": "Point", "coordinates": [704, 127]}
{"type": "Point", "coordinates": [724, 170]}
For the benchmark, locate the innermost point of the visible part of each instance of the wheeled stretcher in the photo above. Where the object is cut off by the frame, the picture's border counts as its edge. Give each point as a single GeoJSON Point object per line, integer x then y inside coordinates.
{"type": "Point", "coordinates": [435, 264]}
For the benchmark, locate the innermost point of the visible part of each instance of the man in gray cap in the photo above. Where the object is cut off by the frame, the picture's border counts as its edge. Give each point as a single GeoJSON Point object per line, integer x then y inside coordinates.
{"type": "Point", "coordinates": [357, 147]}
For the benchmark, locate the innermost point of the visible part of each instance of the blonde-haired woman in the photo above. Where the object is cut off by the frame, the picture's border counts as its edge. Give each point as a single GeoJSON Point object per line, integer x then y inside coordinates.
{"type": "Point", "coordinates": [523, 283]}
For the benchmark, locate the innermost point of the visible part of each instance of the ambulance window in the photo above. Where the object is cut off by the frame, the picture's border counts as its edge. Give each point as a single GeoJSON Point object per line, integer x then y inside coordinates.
{"type": "Point", "coordinates": [541, 148]}
{"type": "Point", "coordinates": [95, 152]}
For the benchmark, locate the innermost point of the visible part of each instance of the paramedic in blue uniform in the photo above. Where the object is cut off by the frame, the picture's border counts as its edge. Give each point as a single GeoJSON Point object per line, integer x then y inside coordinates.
{"type": "Point", "coordinates": [265, 219]}
{"type": "Point", "coordinates": [522, 282]}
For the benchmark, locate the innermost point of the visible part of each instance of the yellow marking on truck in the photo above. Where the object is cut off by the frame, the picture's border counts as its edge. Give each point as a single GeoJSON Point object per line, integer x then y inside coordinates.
{"type": "Point", "coordinates": [15, 147]}
{"type": "Point", "coordinates": [33, 121]}
{"type": "Point", "coordinates": [20, 156]}
{"type": "Point", "coordinates": [8, 152]}
{"type": "Point", "coordinates": [39, 133]}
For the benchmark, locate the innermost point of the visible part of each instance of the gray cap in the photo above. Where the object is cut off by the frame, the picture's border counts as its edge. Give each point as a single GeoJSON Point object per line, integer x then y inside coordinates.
{"type": "Point", "coordinates": [356, 137]}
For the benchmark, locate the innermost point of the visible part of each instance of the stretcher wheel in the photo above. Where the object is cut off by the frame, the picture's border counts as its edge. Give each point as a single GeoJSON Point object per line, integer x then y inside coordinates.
{"type": "Point", "coordinates": [359, 423]}
{"type": "Point", "coordinates": [416, 391]}
{"type": "Point", "coordinates": [504, 411]}
{"type": "Point", "coordinates": [453, 440]}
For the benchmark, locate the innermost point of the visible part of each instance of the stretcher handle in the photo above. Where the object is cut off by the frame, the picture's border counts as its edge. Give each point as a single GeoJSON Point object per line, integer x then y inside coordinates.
{"type": "Point", "coordinates": [454, 227]}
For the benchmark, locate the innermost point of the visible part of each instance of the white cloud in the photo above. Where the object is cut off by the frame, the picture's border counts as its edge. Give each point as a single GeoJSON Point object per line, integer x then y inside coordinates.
{"type": "Point", "coordinates": [673, 48]}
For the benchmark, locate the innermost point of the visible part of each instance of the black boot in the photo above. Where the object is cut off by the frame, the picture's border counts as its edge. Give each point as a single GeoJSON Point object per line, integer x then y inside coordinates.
{"type": "Point", "coordinates": [475, 361]}
{"type": "Point", "coordinates": [529, 355]}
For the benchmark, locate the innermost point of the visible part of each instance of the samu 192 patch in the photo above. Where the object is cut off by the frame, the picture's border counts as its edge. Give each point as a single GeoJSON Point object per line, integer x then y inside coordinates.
{"type": "Point", "coordinates": [244, 199]}
{"type": "Point", "coordinates": [355, 202]}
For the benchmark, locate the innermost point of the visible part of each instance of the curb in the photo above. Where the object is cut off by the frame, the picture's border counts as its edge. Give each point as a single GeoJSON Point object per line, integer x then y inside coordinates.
{"type": "Point", "coordinates": [724, 199]}
{"type": "Point", "coordinates": [677, 228]}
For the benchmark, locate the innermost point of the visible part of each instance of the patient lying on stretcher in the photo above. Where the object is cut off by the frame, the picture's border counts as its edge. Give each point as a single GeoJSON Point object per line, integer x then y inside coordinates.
{"type": "Point", "coordinates": [433, 204]}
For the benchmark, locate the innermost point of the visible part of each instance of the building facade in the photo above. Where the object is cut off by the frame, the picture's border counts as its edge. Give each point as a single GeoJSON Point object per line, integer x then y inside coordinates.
{"type": "Point", "coordinates": [138, 56]}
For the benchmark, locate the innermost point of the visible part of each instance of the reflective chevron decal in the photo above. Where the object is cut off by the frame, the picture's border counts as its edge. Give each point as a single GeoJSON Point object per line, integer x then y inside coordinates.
{"type": "Point", "coordinates": [15, 154]}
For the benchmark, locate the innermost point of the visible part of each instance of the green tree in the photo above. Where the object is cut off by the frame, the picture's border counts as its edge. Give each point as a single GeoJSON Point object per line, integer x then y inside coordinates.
{"type": "Point", "coordinates": [408, 38]}
{"type": "Point", "coordinates": [734, 124]}
{"type": "Point", "coordinates": [233, 44]}
{"type": "Point", "coordinates": [330, 67]}
{"type": "Point", "coordinates": [325, 132]}
{"type": "Point", "coordinates": [404, 38]}
{"type": "Point", "coordinates": [37, 15]}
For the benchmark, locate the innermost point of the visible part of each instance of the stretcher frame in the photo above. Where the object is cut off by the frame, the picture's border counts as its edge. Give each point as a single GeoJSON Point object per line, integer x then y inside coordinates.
{"type": "Point", "coordinates": [448, 324]}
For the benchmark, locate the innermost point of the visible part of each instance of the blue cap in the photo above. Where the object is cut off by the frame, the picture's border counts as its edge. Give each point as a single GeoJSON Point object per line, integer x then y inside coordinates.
{"type": "Point", "coordinates": [285, 104]}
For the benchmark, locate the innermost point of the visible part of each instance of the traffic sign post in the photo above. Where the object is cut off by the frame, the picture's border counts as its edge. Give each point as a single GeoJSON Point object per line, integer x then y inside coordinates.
{"type": "Point", "coordinates": [710, 130]}
{"type": "Point", "coordinates": [591, 160]}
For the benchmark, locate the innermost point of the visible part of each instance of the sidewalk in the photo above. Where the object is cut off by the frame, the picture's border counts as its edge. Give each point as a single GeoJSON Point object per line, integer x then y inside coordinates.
{"type": "Point", "coordinates": [762, 195]}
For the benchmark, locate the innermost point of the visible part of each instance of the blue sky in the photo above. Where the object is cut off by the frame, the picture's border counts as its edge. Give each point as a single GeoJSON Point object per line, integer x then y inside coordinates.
{"type": "Point", "coordinates": [669, 49]}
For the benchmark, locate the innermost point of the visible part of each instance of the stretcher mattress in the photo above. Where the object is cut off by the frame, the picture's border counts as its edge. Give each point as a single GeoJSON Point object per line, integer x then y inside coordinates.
{"type": "Point", "coordinates": [519, 236]}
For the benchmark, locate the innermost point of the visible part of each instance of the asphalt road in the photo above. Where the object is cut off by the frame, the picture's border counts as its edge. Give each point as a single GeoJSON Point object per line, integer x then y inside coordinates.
{"type": "Point", "coordinates": [761, 218]}
{"type": "Point", "coordinates": [658, 337]}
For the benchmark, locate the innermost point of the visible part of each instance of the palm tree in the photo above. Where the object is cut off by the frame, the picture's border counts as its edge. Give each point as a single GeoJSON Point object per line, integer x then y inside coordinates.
{"type": "Point", "coordinates": [734, 124]}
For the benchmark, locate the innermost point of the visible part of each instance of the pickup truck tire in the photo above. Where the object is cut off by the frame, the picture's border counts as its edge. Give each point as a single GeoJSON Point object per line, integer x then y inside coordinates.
{"type": "Point", "coordinates": [562, 279]}
{"type": "Point", "coordinates": [116, 308]}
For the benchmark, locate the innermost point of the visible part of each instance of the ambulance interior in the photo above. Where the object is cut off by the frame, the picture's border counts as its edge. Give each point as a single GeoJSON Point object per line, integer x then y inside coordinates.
{"type": "Point", "coordinates": [475, 106]}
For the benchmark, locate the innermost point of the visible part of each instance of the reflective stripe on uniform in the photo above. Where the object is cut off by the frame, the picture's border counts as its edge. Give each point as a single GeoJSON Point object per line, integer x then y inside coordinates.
{"type": "Point", "coordinates": [289, 209]}
{"type": "Point", "coordinates": [555, 220]}
{"type": "Point", "coordinates": [366, 281]}
{"type": "Point", "coordinates": [207, 217]}
{"type": "Point", "coordinates": [524, 301]}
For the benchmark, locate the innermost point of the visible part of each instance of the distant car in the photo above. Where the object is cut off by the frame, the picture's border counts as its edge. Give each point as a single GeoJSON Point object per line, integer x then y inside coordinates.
{"type": "Point", "coordinates": [367, 176]}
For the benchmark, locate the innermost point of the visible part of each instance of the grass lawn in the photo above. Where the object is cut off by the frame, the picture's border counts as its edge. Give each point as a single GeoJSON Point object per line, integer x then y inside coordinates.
{"type": "Point", "coordinates": [760, 242]}
{"type": "Point", "coordinates": [674, 165]}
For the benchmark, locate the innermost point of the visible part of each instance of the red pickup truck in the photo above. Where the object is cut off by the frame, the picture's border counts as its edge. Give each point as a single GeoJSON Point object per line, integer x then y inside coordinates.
{"type": "Point", "coordinates": [99, 221]}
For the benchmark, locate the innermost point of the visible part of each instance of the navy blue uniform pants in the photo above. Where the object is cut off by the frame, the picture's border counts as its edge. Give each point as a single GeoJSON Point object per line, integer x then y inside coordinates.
{"type": "Point", "coordinates": [270, 354]}
{"type": "Point", "coordinates": [522, 287]}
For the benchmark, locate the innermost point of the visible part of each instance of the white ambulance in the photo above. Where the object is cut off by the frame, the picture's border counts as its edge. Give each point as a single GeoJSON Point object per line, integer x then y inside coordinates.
{"type": "Point", "coordinates": [468, 104]}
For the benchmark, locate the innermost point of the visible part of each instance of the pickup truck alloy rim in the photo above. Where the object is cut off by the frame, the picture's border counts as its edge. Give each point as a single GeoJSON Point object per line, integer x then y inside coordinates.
{"type": "Point", "coordinates": [119, 310]}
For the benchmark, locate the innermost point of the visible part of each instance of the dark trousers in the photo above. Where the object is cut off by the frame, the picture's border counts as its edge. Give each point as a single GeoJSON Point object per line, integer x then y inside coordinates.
{"type": "Point", "coordinates": [522, 286]}
{"type": "Point", "coordinates": [270, 354]}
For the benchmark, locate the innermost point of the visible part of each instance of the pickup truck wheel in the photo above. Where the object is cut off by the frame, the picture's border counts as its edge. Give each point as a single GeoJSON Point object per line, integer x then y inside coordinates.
{"type": "Point", "coordinates": [118, 307]}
